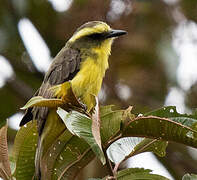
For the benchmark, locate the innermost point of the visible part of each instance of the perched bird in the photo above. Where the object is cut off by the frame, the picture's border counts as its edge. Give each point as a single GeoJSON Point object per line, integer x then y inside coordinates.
{"type": "Point", "coordinates": [83, 62]}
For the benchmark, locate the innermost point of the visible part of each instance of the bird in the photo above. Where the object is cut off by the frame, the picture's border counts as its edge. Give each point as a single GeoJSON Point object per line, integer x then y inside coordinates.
{"type": "Point", "coordinates": [82, 62]}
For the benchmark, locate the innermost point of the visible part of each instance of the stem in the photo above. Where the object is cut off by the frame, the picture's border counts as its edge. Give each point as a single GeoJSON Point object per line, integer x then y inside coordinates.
{"type": "Point", "coordinates": [6, 176]}
{"type": "Point", "coordinates": [108, 164]}
{"type": "Point", "coordinates": [116, 168]}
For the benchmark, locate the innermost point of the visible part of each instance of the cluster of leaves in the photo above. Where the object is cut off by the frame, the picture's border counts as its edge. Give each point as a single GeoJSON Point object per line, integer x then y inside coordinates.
{"type": "Point", "coordinates": [113, 136]}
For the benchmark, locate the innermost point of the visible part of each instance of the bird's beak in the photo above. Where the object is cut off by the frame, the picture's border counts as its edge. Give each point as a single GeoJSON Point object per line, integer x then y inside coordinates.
{"type": "Point", "coordinates": [114, 33]}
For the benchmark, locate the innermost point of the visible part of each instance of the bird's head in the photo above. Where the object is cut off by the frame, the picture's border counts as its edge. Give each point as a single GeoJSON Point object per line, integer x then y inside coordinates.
{"type": "Point", "coordinates": [94, 34]}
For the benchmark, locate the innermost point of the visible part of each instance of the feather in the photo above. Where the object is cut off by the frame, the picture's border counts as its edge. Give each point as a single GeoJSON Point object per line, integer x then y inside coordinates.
{"type": "Point", "coordinates": [63, 68]}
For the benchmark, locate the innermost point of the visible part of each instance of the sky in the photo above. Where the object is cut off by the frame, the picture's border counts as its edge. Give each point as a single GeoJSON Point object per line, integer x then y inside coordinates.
{"type": "Point", "coordinates": [183, 43]}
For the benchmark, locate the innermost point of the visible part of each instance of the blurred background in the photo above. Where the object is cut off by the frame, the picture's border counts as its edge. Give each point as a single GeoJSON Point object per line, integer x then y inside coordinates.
{"type": "Point", "coordinates": [153, 66]}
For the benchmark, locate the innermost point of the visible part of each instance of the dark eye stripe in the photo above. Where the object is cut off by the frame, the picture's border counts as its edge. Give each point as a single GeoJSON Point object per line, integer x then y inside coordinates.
{"type": "Point", "coordinates": [97, 36]}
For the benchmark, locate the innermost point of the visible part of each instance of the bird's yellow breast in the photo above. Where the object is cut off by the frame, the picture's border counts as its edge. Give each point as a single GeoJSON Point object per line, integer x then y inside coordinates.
{"type": "Point", "coordinates": [88, 80]}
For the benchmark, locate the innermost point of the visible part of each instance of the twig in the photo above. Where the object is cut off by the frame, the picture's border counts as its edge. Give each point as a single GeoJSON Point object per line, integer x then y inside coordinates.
{"type": "Point", "coordinates": [108, 164]}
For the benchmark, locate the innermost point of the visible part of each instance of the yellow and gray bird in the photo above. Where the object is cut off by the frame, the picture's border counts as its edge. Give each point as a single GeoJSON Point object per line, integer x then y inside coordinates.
{"type": "Point", "coordinates": [82, 62]}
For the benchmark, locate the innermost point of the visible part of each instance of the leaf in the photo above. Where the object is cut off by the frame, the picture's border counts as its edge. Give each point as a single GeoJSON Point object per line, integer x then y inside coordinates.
{"type": "Point", "coordinates": [40, 101]}
{"type": "Point", "coordinates": [171, 113]}
{"type": "Point", "coordinates": [124, 148]}
{"type": "Point", "coordinates": [76, 153]}
{"type": "Point", "coordinates": [67, 154]}
{"type": "Point", "coordinates": [24, 151]}
{"type": "Point", "coordinates": [189, 177]}
{"type": "Point", "coordinates": [110, 123]}
{"type": "Point", "coordinates": [156, 146]}
{"type": "Point", "coordinates": [5, 171]}
{"type": "Point", "coordinates": [163, 129]}
{"type": "Point", "coordinates": [168, 112]}
{"type": "Point", "coordinates": [134, 174]}
{"type": "Point", "coordinates": [138, 173]}
{"type": "Point", "coordinates": [66, 157]}
{"type": "Point", "coordinates": [81, 125]}
{"type": "Point", "coordinates": [106, 109]}
{"type": "Point", "coordinates": [54, 127]}
{"type": "Point", "coordinates": [51, 156]}
{"type": "Point", "coordinates": [96, 123]}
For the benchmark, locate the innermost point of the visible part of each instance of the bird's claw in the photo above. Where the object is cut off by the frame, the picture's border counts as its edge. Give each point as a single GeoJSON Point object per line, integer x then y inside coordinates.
{"type": "Point", "coordinates": [84, 106]}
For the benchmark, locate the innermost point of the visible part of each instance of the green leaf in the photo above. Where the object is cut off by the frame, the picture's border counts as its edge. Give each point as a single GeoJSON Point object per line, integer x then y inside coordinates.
{"type": "Point", "coordinates": [171, 113]}
{"type": "Point", "coordinates": [168, 112]}
{"type": "Point", "coordinates": [54, 127]}
{"type": "Point", "coordinates": [179, 129]}
{"type": "Point", "coordinates": [124, 148]}
{"type": "Point", "coordinates": [24, 151]}
{"type": "Point", "coordinates": [66, 157]}
{"type": "Point", "coordinates": [106, 109]}
{"type": "Point", "coordinates": [156, 146]}
{"type": "Point", "coordinates": [5, 171]}
{"type": "Point", "coordinates": [51, 156]}
{"type": "Point", "coordinates": [138, 173]}
{"type": "Point", "coordinates": [66, 154]}
{"type": "Point", "coordinates": [81, 125]}
{"type": "Point", "coordinates": [40, 101]}
{"type": "Point", "coordinates": [189, 177]}
{"type": "Point", "coordinates": [110, 123]}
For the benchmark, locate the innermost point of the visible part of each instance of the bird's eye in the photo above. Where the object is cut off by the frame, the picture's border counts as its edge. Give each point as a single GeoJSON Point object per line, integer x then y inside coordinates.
{"type": "Point", "coordinates": [96, 36]}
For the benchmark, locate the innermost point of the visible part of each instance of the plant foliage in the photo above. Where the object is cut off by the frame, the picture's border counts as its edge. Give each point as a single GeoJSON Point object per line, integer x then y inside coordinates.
{"type": "Point", "coordinates": [122, 135]}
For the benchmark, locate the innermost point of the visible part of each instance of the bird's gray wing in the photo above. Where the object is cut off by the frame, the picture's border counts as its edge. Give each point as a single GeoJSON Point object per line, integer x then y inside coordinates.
{"type": "Point", "coordinates": [63, 68]}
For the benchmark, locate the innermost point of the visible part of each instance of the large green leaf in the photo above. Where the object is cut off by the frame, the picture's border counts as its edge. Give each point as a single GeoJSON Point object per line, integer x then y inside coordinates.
{"type": "Point", "coordinates": [110, 123]}
{"type": "Point", "coordinates": [24, 150]}
{"type": "Point", "coordinates": [106, 109]}
{"type": "Point", "coordinates": [51, 156]}
{"type": "Point", "coordinates": [138, 173]}
{"type": "Point", "coordinates": [168, 112]}
{"type": "Point", "coordinates": [134, 174]}
{"type": "Point", "coordinates": [171, 113]}
{"type": "Point", "coordinates": [171, 126]}
{"type": "Point", "coordinates": [69, 154]}
{"type": "Point", "coordinates": [81, 125]}
{"type": "Point", "coordinates": [70, 98]}
{"type": "Point", "coordinates": [66, 154]}
{"type": "Point", "coordinates": [66, 157]}
{"type": "Point", "coordinates": [124, 148]}
{"type": "Point", "coordinates": [5, 171]}
{"type": "Point", "coordinates": [75, 156]}
{"type": "Point", "coordinates": [54, 127]}
{"type": "Point", "coordinates": [40, 101]}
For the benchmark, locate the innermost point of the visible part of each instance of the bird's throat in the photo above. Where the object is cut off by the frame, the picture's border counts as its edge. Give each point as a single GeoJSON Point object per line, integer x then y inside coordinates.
{"type": "Point", "coordinates": [88, 80]}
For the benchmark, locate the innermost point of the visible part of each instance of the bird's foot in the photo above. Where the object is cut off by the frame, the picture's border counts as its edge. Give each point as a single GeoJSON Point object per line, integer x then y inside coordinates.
{"type": "Point", "coordinates": [83, 106]}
